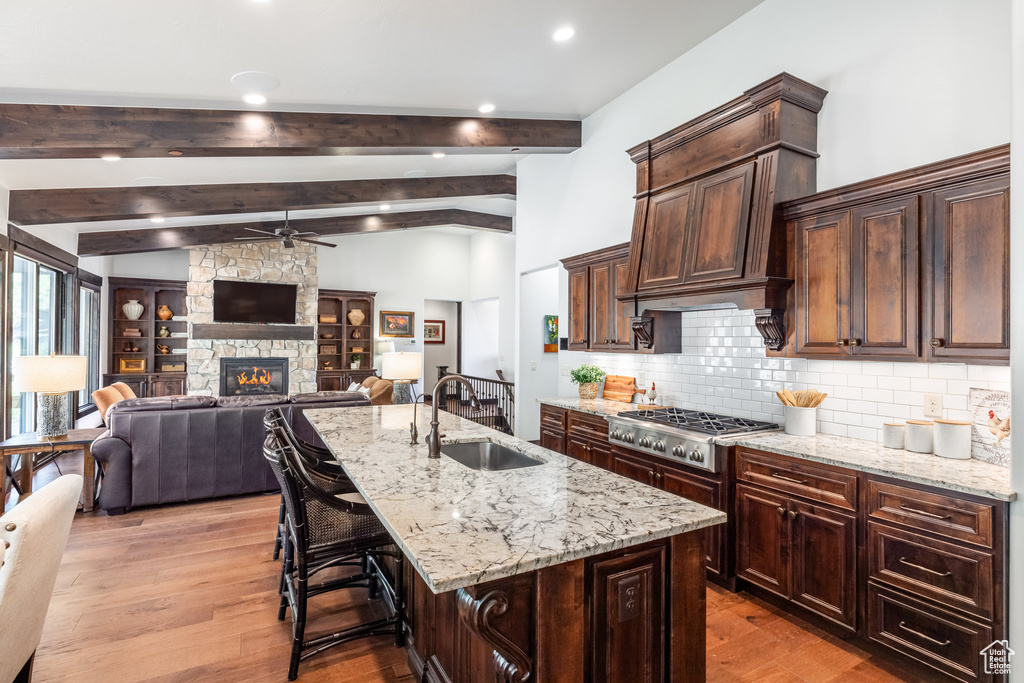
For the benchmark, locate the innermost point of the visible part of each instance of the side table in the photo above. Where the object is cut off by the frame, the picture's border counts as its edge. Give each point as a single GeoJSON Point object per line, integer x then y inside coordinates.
{"type": "Point", "coordinates": [30, 446]}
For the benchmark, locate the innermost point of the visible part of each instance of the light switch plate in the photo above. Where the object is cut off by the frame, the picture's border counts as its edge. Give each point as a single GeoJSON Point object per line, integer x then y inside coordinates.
{"type": "Point", "coordinates": [566, 371]}
{"type": "Point", "coordinates": [533, 365]}
{"type": "Point", "coordinates": [933, 405]}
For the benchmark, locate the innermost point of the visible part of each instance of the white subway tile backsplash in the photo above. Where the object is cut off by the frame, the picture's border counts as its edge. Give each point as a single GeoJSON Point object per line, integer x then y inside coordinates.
{"type": "Point", "coordinates": [723, 367]}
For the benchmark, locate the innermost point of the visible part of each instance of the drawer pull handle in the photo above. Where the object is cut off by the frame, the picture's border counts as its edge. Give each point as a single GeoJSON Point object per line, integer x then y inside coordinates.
{"type": "Point", "coordinates": [793, 481]}
{"type": "Point", "coordinates": [903, 560]}
{"type": "Point", "coordinates": [903, 625]}
{"type": "Point", "coordinates": [924, 514]}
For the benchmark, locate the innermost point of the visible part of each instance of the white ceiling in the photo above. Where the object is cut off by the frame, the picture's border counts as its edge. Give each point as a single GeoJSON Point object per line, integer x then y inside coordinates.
{"type": "Point", "coordinates": [389, 56]}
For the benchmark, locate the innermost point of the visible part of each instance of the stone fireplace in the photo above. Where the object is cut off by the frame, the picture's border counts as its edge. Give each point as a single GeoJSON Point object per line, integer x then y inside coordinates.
{"type": "Point", "coordinates": [243, 376]}
{"type": "Point", "coordinates": [255, 262]}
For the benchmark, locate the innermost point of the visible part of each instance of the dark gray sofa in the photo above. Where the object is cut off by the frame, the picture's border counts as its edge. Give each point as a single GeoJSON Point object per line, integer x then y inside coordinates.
{"type": "Point", "coordinates": [183, 448]}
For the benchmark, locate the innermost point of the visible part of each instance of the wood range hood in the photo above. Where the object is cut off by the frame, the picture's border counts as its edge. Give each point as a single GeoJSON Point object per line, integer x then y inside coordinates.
{"type": "Point", "coordinates": [706, 231]}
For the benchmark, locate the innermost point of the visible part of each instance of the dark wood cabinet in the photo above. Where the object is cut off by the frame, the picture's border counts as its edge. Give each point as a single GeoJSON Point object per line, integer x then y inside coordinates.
{"type": "Point", "coordinates": [552, 440]}
{"type": "Point", "coordinates": [661, 263]}
{"type": "Point", "coordinates": [598, 320]}
{"type": "Point", "coordinates": [761, 539]}
{"type": "Point", "coordinates": [716, 234]}
{"type": "Point", "coordinates": [167, 386]}
{"type": "Point", "coordinates": [912, 266]}
{"type": "Point", "coordinates": [823, 561]}
{"type": "Point", "coordinates": [970, 231]}
{"type": "Point", "coordinates": [579, 308]}
{"type": "Point", "coordinates": [552, 428]}
{"type": "Point", "coordinates": [634, 468]}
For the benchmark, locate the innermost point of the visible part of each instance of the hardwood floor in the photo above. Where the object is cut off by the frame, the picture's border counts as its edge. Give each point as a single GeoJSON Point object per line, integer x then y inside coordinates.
{"type": "Point", "coordinates": [189, 593]}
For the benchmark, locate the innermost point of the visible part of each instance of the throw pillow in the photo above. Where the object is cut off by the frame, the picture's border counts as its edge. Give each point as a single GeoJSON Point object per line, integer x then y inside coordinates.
{"type": "Point", "coordinates": [124, 390]}
{"type": "Point", "coordinates": [353, 386]}
{"type": "Point", "coordinates": [364, 390]}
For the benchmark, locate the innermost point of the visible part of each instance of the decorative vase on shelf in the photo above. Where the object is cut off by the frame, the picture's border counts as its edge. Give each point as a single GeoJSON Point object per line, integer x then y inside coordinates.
{"type": "Point", "coordinates": [356, 334]}
{"type": "Point", "coordinates": [588, 390]}
{"type": "Point", "coordinates": [356, 316]}
{"type": "Point", "coordinates": [164, 313]}
{"type": "Point", "coordinates": [133, 309]}
{"type": "Point", "coordinates": [163, 332]}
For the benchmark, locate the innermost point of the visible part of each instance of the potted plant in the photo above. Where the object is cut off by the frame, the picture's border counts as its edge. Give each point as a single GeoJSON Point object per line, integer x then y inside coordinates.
{"type": "Point", "coordinates": [588, 377]}
{"type": "Point", "coordinates": [356, 358]}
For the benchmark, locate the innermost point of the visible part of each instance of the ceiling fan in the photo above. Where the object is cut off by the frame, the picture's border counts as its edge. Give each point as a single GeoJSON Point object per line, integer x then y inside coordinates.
{"type": "Point", "coordinates": [288, 236]}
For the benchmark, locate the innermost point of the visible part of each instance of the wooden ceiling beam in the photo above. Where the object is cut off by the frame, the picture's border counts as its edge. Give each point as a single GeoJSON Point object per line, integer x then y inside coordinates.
{"type": "Point", "coordinates": [106, 243]}
{"type": "Point", "coordinates": [33, 131]}
{"type": "Point", "coordinates": [38, 207]}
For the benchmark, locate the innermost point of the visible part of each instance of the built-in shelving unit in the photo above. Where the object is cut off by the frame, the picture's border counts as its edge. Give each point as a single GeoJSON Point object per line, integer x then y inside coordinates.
{"type": "Point", "coordinates": [340, 341]}
{"type": "Point", "coordinates": [157, 377]}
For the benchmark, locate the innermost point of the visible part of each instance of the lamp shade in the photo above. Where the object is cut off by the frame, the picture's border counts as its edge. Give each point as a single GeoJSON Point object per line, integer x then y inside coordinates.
{"type": "Point", "coordinates": [401, 366]}
{"type": "Point", "coordinates": [50, 374]}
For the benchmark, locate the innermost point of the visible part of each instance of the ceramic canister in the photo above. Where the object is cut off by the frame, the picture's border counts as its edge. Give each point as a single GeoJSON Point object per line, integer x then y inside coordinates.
{"type": "Point", "coordinates": [953, 439]}
{"type": "Point", "coordinates": [919, 436]}
{"type": "Point", "coordinates": [801, 421]}
{"type": "Point", "coordinates": [894, 435]}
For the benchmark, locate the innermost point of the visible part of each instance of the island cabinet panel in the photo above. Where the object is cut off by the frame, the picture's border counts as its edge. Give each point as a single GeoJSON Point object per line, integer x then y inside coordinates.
{"type": "Point", "coordinates": [970, 230]}
{"type": "Point", "coordinates": [628, 616]}
{"type": "Point", "coordinates": [552, 428]}
{"type": "Point", "coordinates": [552, 440]}
{"type": "Point", "coordinates": [628, 639]}
{"type": "Point", "coordinates": [598, 320]}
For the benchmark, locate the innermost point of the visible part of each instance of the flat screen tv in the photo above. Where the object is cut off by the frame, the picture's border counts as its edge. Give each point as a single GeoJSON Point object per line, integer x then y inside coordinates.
{"type": "Point", "coordinates": [253, 302]}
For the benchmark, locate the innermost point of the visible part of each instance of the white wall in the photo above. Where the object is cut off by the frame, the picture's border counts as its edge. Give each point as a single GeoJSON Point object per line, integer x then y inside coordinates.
{"type": "Point", "coordinates": [155, 265]}
{"type": "Point", "coordinates": [440, 354]}
{"type": "Point", "coordinates": [909, 82]}
{"type": "Point", "coordinates": [1016, 570]}
{"type": "Point", "coordinates": [492, 270]}
{"type": "Point", "coordinates": [480, 343]}
{"type": "Point", "coordinates": [538, 296]}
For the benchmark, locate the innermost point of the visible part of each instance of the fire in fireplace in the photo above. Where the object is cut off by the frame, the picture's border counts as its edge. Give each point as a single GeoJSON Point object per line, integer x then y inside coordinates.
{"type": "Point", "coordinates": [239, 376]}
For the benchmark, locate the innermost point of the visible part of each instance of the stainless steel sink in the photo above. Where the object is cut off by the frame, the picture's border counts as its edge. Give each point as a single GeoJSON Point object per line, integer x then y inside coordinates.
{"type": "Point", "coordinates": [487, 456]}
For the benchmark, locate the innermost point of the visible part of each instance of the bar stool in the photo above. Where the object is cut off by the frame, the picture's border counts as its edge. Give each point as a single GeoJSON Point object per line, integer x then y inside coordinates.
{"type": "Point", "coordinates": [324, 529]}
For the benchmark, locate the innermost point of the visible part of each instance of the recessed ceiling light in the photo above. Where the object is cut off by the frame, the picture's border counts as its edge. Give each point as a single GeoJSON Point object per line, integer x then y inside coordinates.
{"type": "Point", "coordinates": [254, 98]}
{"type": "Point", "coordinates": [486, 108]}
{"type": "Point", "coordinates": [110, 157]}
{"type": "Point", "coordinates": [156, 219]}
{"type": "Point", "coordinates": [385, 207]}
{"type": "Point", "coordinates": [563, 34]}
{"type": "Point", "coordinates": [439, 155]}
{"type": "Point", "coordinates": [415, 173]}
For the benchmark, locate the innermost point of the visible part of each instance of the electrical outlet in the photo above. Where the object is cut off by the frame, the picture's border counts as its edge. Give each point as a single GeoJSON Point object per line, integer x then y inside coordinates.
{"type": "Point", "coordinates": [566, 371]}
{"type": "Point", "coordinates": [641, 377]}
{"type": "Point", "coordinates": [933, 405]}
{"type": "Point", "coordinates": [533, 365]}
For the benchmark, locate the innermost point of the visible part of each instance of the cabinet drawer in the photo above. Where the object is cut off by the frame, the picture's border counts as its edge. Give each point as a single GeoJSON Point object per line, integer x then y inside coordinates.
{"type": "Point", "coordinates": [819, 483]}
{"type": "Point", "coordinates": [946, 573]}
{"type": "Point", "coordinates": [948, 516]}
{"type": "Point", "coordinates": [939, 639]}
{"type": "Point", "coordinates": [588, 425]}
{"type": "Point", "coordinates": [552, 418]}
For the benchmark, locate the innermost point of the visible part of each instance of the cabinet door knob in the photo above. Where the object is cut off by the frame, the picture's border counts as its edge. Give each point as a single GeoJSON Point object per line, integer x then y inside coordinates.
{"type": "Point", "coordinates": [841, 342]}
{"type": "Point", "coordinates": [936, 342]}
{"type": "Point", "coordinates": [781, 511]}
{"type": "Point", "coordinates": [855, 342]}
{"type": "Point", "coordinates": [792, 515]}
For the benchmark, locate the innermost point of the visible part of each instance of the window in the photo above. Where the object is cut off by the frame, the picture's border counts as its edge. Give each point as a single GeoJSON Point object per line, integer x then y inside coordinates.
{"type": "Point", "coordinates": [89, 342]}
{"type": "Point", "coordinates": [36, 304]}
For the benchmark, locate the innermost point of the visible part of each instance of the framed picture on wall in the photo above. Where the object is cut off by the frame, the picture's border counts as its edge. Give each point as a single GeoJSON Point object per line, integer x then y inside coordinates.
{"type": "Point", "coordinates": [396, 324]}
{"type": "Point", "coordinates": [433, 332]}
{"type": "Point", "coordinates": [551, 334]}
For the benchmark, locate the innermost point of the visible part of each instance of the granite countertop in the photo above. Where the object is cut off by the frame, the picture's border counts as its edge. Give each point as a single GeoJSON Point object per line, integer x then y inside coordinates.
{"type": "Point", "coordinates": [595, 406]}
{"type": "Point", "coordinates": [459, 527]}
{"type": "Point", "coordinates": [967, 476]}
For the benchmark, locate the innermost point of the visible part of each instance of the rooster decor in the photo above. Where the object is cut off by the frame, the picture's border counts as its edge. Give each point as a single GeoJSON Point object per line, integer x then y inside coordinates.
{"type": "Point", "coordinates": [1000, 428]}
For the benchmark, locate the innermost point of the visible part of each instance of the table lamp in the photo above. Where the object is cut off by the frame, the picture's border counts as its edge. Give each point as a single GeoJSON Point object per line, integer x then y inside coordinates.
{"type": "Point", "coordinates": [51, 378]}
{"type": "Point", "coordinates": [402, 368]}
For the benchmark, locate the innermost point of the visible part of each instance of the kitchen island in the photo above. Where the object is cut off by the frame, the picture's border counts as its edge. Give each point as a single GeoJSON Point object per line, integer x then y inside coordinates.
{"type": "Point", "coordinates": [553, 573]}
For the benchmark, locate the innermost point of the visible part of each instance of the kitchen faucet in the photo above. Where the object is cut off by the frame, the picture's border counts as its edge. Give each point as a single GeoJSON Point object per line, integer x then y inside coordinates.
{"type": "Point", "coordinates": [433, 439]}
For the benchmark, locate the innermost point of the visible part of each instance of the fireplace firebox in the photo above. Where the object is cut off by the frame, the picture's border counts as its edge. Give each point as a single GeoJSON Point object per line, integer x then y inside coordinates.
{"type": "Point", "coordinates": [240, 376]}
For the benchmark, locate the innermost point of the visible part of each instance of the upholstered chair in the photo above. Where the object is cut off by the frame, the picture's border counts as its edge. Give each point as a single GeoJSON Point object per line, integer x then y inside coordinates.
{"type": "Point", "coordinates": [32, 540]}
